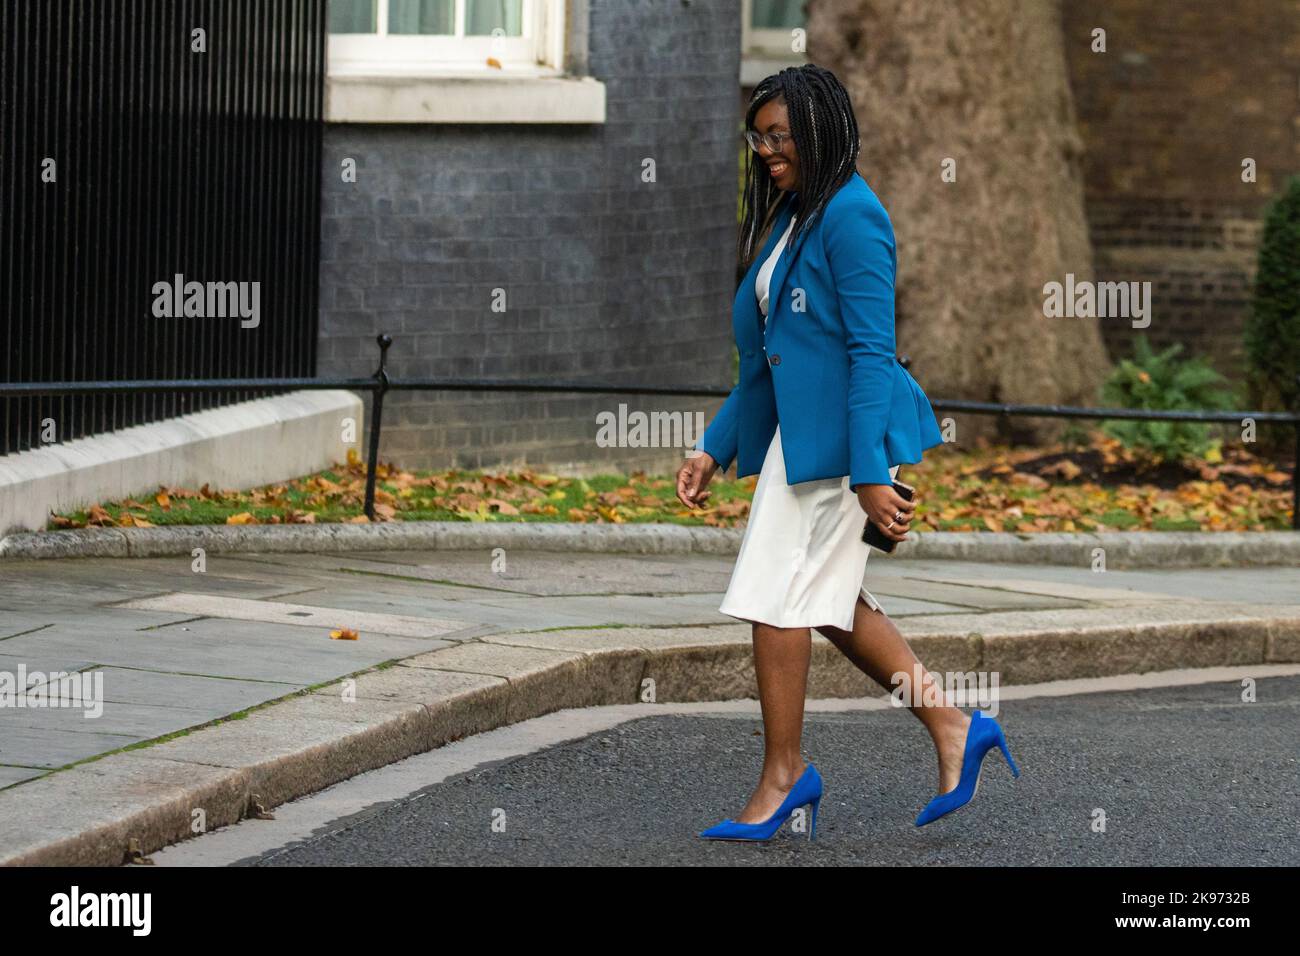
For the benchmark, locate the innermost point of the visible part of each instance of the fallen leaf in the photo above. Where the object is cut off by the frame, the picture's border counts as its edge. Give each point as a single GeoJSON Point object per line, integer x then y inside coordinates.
{"type": "Point", "coordinates": [1065, 468]}
{"type": "Point", "coordinates": [98, 516]}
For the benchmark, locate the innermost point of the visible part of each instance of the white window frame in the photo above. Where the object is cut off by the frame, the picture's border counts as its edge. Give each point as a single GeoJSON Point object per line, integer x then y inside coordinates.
{"type": "Point", "coordinates": [766, 43]}
{"type": "Point", "coordinates": [538, 52]}
{"type": "Point", "coordinates": [377, 78]}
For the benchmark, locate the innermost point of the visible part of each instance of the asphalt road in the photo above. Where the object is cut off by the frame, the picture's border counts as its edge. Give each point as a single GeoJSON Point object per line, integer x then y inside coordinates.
{"type": "Point", "coordinates": [1185, 776]}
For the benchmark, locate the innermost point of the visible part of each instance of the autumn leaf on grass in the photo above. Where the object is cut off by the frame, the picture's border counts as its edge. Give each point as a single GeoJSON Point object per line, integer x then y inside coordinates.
{"type": "Point", "coordinates": [98, 516]}
{"type": "Point", "coordinates": [387, 512]}
{"type": "Point", "coordinates": [134, 521]}
{"type": "Point", "coordinates": [732, 509]}
{"type": "Point", "coordinates": [353, 458]}
{"type": "Point", "coordinates": [481, 513]}
{"type": "Point", "coordinates": [503, 507]}
{"type": "Point", "coordinates": [325, 485]}
{"type": "Point", "coordinates": [1030, 480]}
{"type": "Point", "coordinates": [61, 522]}
{"type": "Point", "coordinates": [1065, 468]}
{"type": "Point", "coordinates": [164, 501]}
{"type": "Point", "coordinates": [244, 517]}
{"type": "Point", "coordinates": [343, 634]}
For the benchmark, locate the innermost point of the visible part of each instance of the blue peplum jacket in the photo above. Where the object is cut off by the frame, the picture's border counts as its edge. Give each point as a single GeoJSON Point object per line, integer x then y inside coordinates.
{"type": "Point", "coordinates": [824, 365]}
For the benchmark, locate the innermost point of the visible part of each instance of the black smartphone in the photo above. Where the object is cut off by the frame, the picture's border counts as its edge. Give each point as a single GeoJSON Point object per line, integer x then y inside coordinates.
{"type": "Point", "coordinates": [873, 535]}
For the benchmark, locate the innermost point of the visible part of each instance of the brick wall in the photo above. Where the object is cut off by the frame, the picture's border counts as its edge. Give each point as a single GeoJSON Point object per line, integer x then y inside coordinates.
{"type": "Point", "coordinates": [606, 278]}
{"type": "Point", "coordinates": [1184, 93]}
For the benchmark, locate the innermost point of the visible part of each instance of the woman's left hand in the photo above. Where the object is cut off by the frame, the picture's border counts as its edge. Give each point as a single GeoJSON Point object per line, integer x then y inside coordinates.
{"type": "Point", "coordinates": [884, 506]}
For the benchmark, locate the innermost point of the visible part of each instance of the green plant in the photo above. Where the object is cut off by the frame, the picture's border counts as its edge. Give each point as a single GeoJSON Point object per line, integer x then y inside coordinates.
{"type": "Point", "coordinates": [1272, 332]}
{"type": "Point", "coordinates": [1162, 382]}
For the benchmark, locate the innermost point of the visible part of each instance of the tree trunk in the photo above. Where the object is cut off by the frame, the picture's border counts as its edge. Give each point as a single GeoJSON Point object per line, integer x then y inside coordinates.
{"type": "Point", "coordinates": [982, 83]}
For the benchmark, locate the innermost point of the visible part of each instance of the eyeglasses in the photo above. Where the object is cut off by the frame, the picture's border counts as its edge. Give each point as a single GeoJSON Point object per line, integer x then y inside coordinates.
{"type": "Point", "coordinates": [773, 141]}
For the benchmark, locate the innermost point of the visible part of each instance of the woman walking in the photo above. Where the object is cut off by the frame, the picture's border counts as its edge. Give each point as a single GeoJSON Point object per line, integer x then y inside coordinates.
{"type": "Point", "coordinates": [825, 414]}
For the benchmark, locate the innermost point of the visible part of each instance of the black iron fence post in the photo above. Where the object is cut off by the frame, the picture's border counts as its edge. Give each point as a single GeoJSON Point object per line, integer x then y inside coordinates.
{"type": "Point", "coordinates": [376, 420]}
{"type": "Point", "coordinates": [1295, 473]}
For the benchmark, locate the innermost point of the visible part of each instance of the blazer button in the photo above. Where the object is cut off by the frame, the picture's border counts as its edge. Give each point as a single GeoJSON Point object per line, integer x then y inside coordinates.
{"type": "Point", "coordinates": [774, 359]}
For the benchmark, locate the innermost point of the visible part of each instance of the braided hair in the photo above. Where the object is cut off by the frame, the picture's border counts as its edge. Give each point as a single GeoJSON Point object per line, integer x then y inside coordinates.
{"type": "Point", "coordinates": [825, 135]}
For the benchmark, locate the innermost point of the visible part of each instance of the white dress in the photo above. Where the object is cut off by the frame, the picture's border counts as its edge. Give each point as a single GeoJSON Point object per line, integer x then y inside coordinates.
{"type": "Point", "coordinates": [802, 558]}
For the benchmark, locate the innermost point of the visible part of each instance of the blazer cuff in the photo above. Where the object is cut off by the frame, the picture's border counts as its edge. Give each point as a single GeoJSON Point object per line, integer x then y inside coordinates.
{"type": "Point", "coordinates": [719, 439]}
{"type": "Point", "coordinates": [869, 466]}
{"type": "Point", "coordinates": [706, 444]}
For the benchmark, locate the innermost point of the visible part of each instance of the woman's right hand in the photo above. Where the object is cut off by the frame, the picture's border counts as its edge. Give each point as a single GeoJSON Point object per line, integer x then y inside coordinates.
{"type": "Point", "coordinates": [693, 477]}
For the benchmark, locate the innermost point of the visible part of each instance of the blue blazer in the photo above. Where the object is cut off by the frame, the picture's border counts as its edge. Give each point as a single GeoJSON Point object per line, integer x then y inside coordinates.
{"type": "Point", "coordinates": [824, 366]}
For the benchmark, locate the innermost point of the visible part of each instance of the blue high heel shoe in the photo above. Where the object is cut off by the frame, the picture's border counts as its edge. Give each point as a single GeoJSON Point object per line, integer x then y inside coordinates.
{"type": "Point", "coordinates": [806, 790]}
{"type": "Point", "coordinates": [982, 736]}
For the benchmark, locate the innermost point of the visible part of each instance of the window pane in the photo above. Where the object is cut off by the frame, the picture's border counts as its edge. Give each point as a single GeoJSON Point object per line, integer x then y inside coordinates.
{"type": "Point", "coordinates": [484, 16]}
{"type": "Point", "coordinates": [352, 16]}
{"type": "Point", "coordinates": [777, 14]}
{"type": "Point", "coordinates": [422, 16]}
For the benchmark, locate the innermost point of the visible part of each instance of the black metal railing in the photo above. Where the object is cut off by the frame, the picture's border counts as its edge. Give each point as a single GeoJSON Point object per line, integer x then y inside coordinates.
{"type": "Point", "coordinates": [380, 383]}
{"type": "Point", "coordinates": [142, 140]}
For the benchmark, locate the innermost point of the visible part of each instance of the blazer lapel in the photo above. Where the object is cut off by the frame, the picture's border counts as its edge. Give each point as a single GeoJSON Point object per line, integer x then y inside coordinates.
{"type": "Point", "coordinates": [782, 270]}
{"type": "Point", "coordinates": [747, 289]}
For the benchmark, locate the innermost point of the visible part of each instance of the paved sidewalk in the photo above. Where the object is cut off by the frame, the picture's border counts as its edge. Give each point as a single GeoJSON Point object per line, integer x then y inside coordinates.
{"type": "Point", "coordinates": [502, 638]}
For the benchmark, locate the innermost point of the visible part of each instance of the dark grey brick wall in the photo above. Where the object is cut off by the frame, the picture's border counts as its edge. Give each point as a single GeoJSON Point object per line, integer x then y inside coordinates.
{"type": "Point", "coordinates": [606, 278]}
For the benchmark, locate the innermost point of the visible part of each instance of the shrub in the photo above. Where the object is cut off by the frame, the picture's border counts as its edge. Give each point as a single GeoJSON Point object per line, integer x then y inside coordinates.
{"type": "Point", "coordinates": [1163, 382]}
{"type": "Point", "coordinates": [1272, 333]}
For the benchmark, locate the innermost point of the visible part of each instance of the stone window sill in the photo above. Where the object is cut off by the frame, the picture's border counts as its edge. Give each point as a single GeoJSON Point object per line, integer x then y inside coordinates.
{"type": "Point", "coordinates": [519, 97]}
